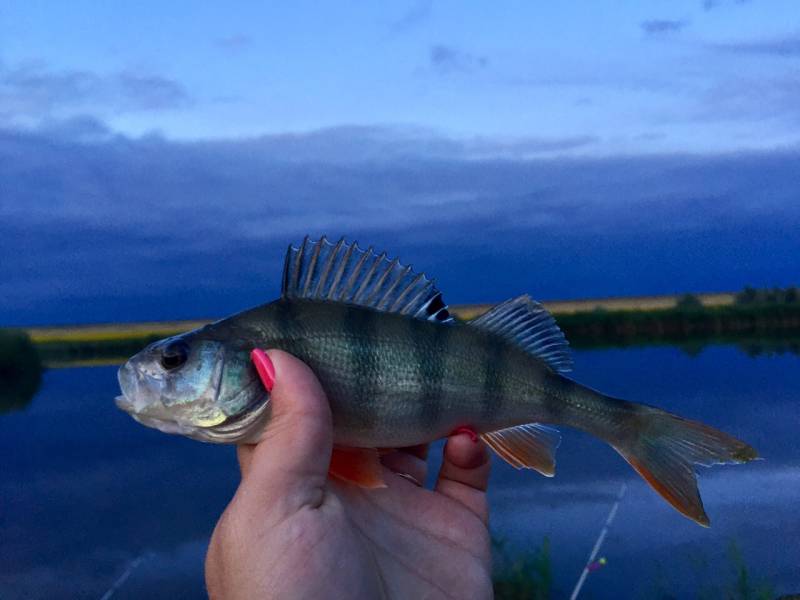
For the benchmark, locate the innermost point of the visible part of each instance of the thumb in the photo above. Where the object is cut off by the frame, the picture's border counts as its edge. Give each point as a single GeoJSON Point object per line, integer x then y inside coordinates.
{"type": "Point", "coordinates": [291, 459]}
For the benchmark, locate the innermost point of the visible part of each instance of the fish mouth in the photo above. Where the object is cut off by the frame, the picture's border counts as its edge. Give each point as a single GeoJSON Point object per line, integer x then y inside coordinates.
{"type": "Point", "coordinates": [167, 426]}
{"type": "Point", "coordinates": [133, 399]}
{"type": "Point", "coordinates": [124, 404]}
{"type": "Point", "coordinates": [243, 428]}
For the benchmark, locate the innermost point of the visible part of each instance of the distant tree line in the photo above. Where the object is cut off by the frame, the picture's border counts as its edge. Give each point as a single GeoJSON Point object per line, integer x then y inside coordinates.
{"type": "Point", "coordinates": [688, 302]}
{"type": "Point", "coordinates": [753, 296]}
{"type": "Point", "coordinates": [749, 296]}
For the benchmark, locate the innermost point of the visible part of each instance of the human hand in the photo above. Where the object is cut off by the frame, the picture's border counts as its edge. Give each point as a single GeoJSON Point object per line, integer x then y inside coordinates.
{"type": "Point", "coordinates": [292, 532]}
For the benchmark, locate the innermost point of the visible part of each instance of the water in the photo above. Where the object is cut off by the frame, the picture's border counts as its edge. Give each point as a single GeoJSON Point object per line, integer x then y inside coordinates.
{"type": "Point", "coordinates": [84, 491]}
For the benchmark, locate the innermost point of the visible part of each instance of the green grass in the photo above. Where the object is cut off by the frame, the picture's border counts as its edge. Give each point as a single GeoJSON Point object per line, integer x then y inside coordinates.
{"type": "Point", "coordinates": [523, 576]}
{"type": "Point", "coordinates": [731, 580]}
{"type": "Point", "coordinates": [529, 576]}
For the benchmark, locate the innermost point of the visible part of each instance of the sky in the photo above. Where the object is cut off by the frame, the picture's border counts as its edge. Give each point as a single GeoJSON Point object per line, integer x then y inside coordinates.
{"type": "Point", "coordinates": [585, 77]}
{"type": "Point", "coordinates": [157, 158]}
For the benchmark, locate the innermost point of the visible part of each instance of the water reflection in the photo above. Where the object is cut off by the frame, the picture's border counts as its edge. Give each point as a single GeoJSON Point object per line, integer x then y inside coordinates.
{"type": "Point", "coordinates": [751, 346]}
{"type": "Point", "coordinates": [84, 491]}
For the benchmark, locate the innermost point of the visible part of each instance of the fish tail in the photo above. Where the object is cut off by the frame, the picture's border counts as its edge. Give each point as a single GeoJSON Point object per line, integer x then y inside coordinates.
{"type": "Point", "coordinates": [663, 448]}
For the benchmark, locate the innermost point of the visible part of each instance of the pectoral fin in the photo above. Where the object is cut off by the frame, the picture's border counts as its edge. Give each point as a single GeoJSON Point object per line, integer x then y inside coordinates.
{"type": "Point", "coordinates": [359, 466]}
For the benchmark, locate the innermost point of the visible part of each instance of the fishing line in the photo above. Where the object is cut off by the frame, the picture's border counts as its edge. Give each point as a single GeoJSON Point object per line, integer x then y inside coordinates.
{"type": "Point", "coordinates": [124, 577]}
{"type": "Point", "coordinates": [600, 539]}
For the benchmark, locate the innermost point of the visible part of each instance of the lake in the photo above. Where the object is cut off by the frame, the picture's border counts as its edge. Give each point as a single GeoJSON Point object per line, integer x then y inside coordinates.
{"type": "Point", "coordinates": [86, 493]}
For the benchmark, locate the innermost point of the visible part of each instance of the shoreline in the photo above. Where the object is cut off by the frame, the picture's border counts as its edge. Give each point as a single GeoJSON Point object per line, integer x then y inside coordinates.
{"type": "Point", "coordinates": [98, 332]}
{"type": "Point", "coordinates": [587, 324]}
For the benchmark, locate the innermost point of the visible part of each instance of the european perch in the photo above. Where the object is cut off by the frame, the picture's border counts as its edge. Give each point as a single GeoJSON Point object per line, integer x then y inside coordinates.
{"type": "Point", "coordinates": [399, 371]}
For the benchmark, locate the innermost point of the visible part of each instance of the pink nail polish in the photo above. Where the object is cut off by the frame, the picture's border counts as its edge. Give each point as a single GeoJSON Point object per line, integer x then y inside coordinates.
{"type": "Point", "coordinates": [265, 368]}
{"type": "Point", "coordinates": [469, 431]}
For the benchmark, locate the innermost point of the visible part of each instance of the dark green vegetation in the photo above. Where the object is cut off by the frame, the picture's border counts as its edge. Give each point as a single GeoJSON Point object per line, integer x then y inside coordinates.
{"type": "Point", "coordinates": [687, 323]}
{"type": "Point", "coordinates": [759, 321]}
{"type": "Point", "coordinates": [20, 370]}
{"type": "Point", "coordinates": [731, 581]}
{"type": "Point", "coordinates": [528, 576]}
{"type": "Point", "coordinates": [751, 296]}
{"type": "Point", "coordinates": [69, 352]}
{"type": "Point", "coordinates": [525, 576]}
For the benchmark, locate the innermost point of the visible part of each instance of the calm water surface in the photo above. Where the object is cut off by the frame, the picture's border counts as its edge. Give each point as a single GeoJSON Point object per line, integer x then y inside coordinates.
{"type": "Point", "coordinates": [84, 490]}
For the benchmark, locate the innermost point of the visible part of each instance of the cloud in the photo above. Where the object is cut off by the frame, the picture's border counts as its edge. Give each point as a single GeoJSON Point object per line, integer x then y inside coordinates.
{"type": "Point", "coordinates": [234, 42]}
{"type": "Point", "coordinates": [417, 13]}
{"type": "Point", "coordinates": [32, 90]}
{"type": "Point", "coordinates": [385, 144]}
{"type": "Point", "coordinates": [446, 59]}
{"type": "Point", "coordinates": [760, 98]}
{"type": "Point", "coordinates": [787, 46]}
{"type": "Point", "coordinates": [712, 4]}
{"type": "Point", "coordinates": [191, 218]}
{"type": "Point", "coordinates": [662, 26]}
{"type": "Point", "coordinates": [142, 91]}
{"type": "Point", "coordinates": [485, 147]}
{"type": "Point", "coordinates": [80, 128]}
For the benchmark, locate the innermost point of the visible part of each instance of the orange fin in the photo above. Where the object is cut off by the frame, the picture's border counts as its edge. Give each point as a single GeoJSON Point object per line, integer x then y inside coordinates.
{"type": "Point", "coordinates": [359, 466]}
{"type": "Point", "coordinates": [529, 446]}
{"type": "Point", "coordinates": [666, 449]}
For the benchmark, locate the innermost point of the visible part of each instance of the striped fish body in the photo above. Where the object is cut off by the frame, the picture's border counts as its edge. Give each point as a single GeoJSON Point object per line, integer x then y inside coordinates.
{"type": "Point", "coordinates": [397, 381]}
{"type": "Point", "coordinates": [399, 371]}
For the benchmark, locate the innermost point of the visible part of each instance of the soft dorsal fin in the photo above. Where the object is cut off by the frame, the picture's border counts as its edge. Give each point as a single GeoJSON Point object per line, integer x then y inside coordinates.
{"type": "Point", "coordinates": [343, 272]}
{"type": "Point", "coordinates": [528, 324]}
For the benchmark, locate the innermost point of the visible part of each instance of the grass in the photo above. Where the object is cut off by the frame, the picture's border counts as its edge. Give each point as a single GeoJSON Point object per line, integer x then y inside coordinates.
{"type": "Point", "coordinates": [111, 332]}
{"type": "Point", "coordinates": [523, 576]}
{"type": "Point", "coordinates": [734, 581]}
{"type": "Point", "coordinates": [529, 576]}
{"type": "Point", "coordinates": [622, 303]}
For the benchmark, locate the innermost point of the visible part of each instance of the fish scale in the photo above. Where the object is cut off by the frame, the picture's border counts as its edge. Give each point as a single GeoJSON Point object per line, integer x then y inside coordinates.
{"type": "Point", "coordinates": [399, 371]}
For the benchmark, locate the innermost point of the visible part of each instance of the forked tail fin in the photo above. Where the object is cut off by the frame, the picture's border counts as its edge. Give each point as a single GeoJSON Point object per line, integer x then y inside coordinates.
{"type": "Point", "coordinates": [666, 449]}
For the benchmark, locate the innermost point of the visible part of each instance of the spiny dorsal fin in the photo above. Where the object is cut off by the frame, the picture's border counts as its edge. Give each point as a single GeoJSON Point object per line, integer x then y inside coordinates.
{"type": "Point", "coordinates": [528, 324]}
{"type": "Point", "coordinates": [343, 272]}
{"type": "Point", "coordinates": [529, 446]}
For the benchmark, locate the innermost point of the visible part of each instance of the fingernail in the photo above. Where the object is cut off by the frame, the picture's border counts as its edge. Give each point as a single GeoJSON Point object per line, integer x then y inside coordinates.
{"type": "Point", "coordinates": [265, 368]}
{"type": "Point", "coordinates": [469, 431]}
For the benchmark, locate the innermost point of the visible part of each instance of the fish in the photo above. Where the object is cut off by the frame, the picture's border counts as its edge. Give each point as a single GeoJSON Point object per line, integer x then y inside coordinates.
{"type": "Point", "coordinates": [399, 370]}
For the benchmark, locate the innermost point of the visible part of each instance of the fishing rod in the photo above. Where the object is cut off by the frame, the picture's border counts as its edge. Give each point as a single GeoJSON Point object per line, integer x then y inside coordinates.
{"type": "Point", "coordinates": [590, 564]}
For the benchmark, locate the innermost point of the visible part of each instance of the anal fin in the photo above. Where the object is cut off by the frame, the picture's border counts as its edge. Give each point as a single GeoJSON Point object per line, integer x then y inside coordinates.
{"type": "Point", "coordinates": [529, 446]}
{"type": "Point", "coordinates": [359, 466]}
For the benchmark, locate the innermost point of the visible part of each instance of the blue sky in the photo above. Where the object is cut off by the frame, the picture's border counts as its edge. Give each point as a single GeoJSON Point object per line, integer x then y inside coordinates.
{"type": "Point", "coordinates": [156, 158]}
{"type": "Point", "coordinates": [590, 77]}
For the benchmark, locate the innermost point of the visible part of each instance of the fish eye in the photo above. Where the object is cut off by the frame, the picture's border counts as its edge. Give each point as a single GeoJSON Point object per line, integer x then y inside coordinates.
{"type": "Point", "coordinates": [174, 355]}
